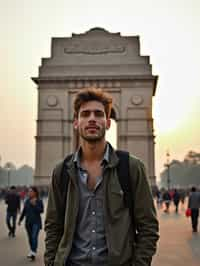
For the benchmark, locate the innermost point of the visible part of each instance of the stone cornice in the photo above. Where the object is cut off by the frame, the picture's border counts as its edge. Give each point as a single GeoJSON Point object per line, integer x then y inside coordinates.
{"type": "Point", "coordinates": [46, 80]}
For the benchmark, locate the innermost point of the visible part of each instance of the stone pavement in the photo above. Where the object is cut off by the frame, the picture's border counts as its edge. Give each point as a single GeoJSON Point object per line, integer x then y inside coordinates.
{"type": "Point", "coordinates": [177, 245]}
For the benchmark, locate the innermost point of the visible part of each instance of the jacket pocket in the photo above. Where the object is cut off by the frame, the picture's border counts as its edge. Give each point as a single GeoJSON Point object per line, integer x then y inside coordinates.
{"type": "Point", "coordinates": [117, 200]}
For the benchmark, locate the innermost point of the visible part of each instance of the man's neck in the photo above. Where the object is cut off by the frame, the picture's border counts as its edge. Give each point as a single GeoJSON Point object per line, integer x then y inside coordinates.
{"type": "Point", "coordinates": [93, 151]}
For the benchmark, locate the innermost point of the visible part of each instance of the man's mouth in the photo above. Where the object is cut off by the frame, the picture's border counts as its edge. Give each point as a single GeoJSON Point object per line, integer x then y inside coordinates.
{"type": "Point", "coordinates": [91, 128]}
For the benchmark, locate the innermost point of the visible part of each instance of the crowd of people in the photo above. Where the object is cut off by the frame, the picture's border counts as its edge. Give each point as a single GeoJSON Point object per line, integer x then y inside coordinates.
{"type": "Point", "coordinates": [32, 203]}
{"type": "Point", "coordinates": [165, 198]}
{"type": "Point", "coordinates": [31, 199]}
{"type": "Point", "coordinates": [31, 212]}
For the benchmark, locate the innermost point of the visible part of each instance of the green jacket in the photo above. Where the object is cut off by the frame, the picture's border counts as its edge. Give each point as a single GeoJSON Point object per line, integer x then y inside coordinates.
{"type": "Point", "coordinates": [122, 249]}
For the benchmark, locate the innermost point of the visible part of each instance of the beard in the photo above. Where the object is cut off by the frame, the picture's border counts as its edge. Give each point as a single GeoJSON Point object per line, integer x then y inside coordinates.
{"type": "Point", "coordinates": [92, 138]}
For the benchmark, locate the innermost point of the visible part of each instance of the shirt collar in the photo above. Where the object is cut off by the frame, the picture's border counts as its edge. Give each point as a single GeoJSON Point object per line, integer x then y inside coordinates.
{"type": "Point", "coordinates": [77, 156]}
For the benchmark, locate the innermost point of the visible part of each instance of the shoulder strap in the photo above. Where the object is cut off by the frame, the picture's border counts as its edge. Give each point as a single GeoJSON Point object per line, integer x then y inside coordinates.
{"type": "Point", "coordinates": [125, 181]}
{"type": "Point", "coordinates": [64, 180]}
{"type": "Point", "coordinates": [64, 175]}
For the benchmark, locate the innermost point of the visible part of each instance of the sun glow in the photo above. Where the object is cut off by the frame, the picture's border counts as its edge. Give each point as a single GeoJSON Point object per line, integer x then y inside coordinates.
{"type": "Point", "coordinates": [111, 134]}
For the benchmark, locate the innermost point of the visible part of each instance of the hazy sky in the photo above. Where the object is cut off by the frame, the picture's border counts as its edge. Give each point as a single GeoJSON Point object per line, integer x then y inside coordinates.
{"type": "Point", "coordinates": [169, 32]}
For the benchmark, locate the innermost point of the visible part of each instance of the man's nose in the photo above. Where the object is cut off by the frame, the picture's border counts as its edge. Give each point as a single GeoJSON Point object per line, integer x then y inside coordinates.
{"type": "Point", "coordinates": [92, 116]}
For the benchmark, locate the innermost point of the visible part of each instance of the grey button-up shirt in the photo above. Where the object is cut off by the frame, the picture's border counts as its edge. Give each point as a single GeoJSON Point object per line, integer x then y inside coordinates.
{"type": "Point", "coordinates": [89, 244]}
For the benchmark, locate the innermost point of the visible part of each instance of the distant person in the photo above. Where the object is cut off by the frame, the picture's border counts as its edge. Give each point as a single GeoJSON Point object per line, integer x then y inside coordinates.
{"type": "Point", "coordinates": [166, 200]}
{"type": "Point", "coordinates": [12, 200]}
{"type": "Point", "coordinates": [23, 194]}
{"type": "Point", "coordinates": [182, 196]}
{"type": "Point", "coordinates": [176, 199]}
{"type": "Point", "coordinates": [194, 205]}
{"type": "Point", "coordinates": [158, 198]}
{"type": "Point", "coordinates": [33, 207]}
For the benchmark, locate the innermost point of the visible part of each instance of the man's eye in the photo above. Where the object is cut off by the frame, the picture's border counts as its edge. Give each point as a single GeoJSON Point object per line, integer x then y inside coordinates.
{"type": "Point", "coordinates": [85, 113]}
{"type": "Point", "coordinates": [99, 113]}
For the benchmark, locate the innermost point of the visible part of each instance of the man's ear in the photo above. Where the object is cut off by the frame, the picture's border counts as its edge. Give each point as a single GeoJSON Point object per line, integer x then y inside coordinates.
{"type": "Point", "coordinates": [108, 123]}
{"type": "Point", "coordinates": [75, 124]}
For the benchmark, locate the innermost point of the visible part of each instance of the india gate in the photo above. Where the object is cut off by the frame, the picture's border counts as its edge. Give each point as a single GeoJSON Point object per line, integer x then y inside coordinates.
{"type": "Point", "coordinates": [96, 58]}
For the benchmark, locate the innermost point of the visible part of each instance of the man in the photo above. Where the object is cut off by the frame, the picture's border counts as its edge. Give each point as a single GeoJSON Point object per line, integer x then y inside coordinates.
{"type": "Point", "coordinates": [194, 205]}
{"type": "Point", "coordinates": [12, 200]}
{"type": "Point", "coordinates": [96, 227]}
{"type": "Point", "coordinates": [176, 199]}
{"type": "Point", "coordinates": [166, 200]}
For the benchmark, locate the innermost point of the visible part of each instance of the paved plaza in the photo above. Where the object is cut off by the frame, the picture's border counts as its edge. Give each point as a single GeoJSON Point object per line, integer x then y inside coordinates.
{"type": "Point", "coordinates": [178, 246]}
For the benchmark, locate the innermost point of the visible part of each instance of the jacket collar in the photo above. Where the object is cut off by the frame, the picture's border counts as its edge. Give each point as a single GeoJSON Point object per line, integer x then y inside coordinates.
{"type": "Point", "coordinates": [110, 156]}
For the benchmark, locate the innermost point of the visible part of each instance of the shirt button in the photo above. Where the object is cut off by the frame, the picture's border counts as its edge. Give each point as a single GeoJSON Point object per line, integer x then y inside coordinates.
{"type": "Point", "coordinates": [93, 231]}
{"type": "Point", "coordinates": [93, 248]}
{"type": "Point", "coordinates": [93, 213]}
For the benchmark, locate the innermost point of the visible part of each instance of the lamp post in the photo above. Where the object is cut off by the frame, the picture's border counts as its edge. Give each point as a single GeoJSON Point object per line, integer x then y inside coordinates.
{"type": "Point", "coordinates": [168, 169]}
{"type": "Point", "coordinates": [8, 177]}
{"type": "Point", "coordinates": [8, 168]}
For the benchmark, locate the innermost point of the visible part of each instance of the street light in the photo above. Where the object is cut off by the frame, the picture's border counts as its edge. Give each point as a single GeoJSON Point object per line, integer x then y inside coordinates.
{"type": "Point", "coordinates": [8, 167]}
{"type": "Point", "coordinates": [167, 164]}
{"type": "Point", "coordinates": [8, 177]}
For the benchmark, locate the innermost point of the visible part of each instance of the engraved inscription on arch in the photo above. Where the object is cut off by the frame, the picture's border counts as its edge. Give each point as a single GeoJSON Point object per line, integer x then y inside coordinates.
{"type": "Point", "coordinates": [94, 47]}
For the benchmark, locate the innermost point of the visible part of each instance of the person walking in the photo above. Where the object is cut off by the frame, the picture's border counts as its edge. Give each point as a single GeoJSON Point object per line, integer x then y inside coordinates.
{"type": "Point", "coordinates": [166, 199]}
{"type": "Point", "coordinates": [12, 199]}
{"type": "Point", "coordinates": [33, 207]}
{"type": "Point", "coordinates": [194, 205]}
{"type": "Point", "coordinates": [92, 225]}
{"type": "Point", "coordinates": [176, 199]}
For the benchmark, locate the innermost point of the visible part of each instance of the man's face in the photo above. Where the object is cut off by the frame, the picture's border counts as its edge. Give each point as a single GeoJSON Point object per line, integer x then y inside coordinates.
{"type": "Point", "coordinates": [92, 122]}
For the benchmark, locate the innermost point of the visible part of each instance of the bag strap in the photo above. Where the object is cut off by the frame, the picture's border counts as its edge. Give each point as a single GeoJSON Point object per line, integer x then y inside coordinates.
{"type": "Point", "coordinates": [64, 180]}
{"type": "Point", "coordinates": [123, 173]}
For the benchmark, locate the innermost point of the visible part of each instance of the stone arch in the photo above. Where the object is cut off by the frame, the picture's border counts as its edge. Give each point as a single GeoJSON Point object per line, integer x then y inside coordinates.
{"type": "Point", "coordinates": [101, 59]}
{"type": "Point", "coordinates": [115, 113]}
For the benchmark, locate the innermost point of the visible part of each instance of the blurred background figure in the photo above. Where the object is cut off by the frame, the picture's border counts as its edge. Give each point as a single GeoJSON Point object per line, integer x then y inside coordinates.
{"type": "Point", "coordinates": [166, 200]}
{"type": "Point", "coordinates": [159, 198]}
{"type": "Point", "coordinates": [194, 205]}
{"type": "Point", "coordinates": [12, 199]}
{"type": "Point", "coordinates": [176, 199]}
{"type": "Point", "coordinates": [33, 207]}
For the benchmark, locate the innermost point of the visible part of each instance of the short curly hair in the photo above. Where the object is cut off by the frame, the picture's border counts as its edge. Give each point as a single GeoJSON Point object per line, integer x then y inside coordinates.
{"type": "Point", "coordinates": [93, 94]}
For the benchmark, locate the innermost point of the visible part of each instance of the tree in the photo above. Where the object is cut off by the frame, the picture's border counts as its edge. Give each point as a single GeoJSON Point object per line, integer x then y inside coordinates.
{"type": "Point", "coordinates": [185, 173]}
{"type": "Point", "coordinates": [10, 165]}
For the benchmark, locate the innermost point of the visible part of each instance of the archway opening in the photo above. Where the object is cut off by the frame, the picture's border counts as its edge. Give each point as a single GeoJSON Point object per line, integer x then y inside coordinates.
{"type": "Point", "coordinates": [111, 133]}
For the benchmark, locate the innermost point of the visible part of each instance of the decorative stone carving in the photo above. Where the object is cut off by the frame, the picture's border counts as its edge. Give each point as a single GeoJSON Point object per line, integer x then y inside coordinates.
{"type": "Point", "coordinates": [71, 85]}
{"type": "Point", "coordinates": [87, 84]}
{"type": "Point", "coordinates": [137, 99]}
{"type": "Point", "coordinates": [101, 84]}
{"type": "Point", "coordinates": [117, 84]}
{"type": "Point", "coordinates": [94, 47]}
{"type": "Point", "coordinates": [79, 84]}
{"type": "Point", "coordinates": [109, 84]}
{"type": "Point", "coordinates": [52, 100]}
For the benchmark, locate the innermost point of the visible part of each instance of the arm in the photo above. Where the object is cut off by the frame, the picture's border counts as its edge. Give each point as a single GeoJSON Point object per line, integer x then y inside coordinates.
{"type": "Point", "coordinates": [54, 220]}
{"type": "Point", "coordinates": [6, 198]}
{"type": "Point", "coordinates": [19, 204]}
{"type": "Point", "coordinates": [145, 217]}
{"type": "Point", "coordinates": [189, 202]}
{"type": "Point", "coordinates": [22, 214]}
